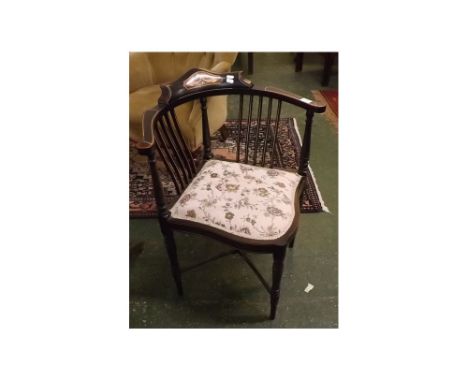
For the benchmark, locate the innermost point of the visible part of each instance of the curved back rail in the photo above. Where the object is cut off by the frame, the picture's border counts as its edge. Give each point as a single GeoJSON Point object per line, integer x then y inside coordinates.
{"type": "Point", "coordinates": [162, 134]}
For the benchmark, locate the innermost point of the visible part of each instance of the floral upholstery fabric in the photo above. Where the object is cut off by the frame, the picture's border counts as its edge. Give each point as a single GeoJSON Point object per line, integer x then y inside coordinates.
{"type": "Point", "coordinates": [248, 201]}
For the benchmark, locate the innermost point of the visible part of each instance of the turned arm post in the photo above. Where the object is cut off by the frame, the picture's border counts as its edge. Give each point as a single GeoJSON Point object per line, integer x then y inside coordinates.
{"type": "Point", "coordinates": [163, 212]}
{"type": "Point", "coordinates": [146, 147]}
{"type": "Point", "coordinates": [207, 154]}
{"type": "Point", "coordinates": [306, 142]}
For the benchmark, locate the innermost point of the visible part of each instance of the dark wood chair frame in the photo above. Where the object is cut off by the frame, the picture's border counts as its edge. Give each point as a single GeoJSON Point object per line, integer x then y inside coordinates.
{"type": "Point", "coordinates": [162, 138]}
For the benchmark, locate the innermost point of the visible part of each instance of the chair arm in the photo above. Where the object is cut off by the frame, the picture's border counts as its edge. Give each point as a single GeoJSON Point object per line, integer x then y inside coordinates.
{"type": "Point", "coordinates": [146, 145]}
{"type": "Point", "coordinates": [317, 107]}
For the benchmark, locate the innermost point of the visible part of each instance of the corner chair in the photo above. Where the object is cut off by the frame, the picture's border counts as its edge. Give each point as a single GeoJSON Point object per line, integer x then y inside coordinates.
{"type": "Point", "coordinates": [246, 203]}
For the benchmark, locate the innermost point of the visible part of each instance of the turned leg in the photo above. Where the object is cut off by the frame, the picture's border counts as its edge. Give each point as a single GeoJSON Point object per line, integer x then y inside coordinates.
{"type": "Point", "coordinates": [329, 60]}
{"type": "Point", "coordinates": [172, 253]}
{"type": "Point", "coordinates": [163, 215]}
{"type": "Point", "coordinates": [299, 60]}
{"type": "Point", "coordinates": [278, 260]}
{"type": "Point", "coordinates": [250, 64]}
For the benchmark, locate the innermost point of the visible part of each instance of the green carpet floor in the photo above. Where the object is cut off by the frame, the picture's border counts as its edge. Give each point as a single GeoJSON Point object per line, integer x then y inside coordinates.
{"type": "Point", "coordinates": [225, 293]}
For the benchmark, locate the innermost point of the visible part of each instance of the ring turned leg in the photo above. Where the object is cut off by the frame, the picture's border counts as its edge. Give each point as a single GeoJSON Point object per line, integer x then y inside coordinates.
{"type": "Point", "coordinates": [278, 260]}
{"type": "Point", "coordinates": [329, 61]}
{"type": "Point", "coordinates": [299, 60]}
{"type": "Point", "coordinates": [172, 253]}
{"type": "Point", "coordinates": [250, 64]}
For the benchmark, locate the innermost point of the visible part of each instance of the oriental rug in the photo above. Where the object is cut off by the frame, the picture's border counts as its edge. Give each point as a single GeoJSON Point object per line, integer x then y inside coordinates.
{"type": "Point", "coordinates": [223, 145]}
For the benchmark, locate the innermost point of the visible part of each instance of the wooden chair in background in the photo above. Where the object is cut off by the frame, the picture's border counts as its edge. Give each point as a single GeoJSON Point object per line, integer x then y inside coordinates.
{"type": "Point", "coordinates": [329, 60]}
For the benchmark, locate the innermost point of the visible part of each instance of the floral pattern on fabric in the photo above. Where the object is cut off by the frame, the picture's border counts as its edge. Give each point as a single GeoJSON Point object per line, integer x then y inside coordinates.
{"type": "Point", "coordinates": [248, 201]}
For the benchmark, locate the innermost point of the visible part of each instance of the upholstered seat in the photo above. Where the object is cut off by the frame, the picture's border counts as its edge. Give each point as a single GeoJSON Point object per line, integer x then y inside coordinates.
{"type": "Point", "coordinates": [244, 200]}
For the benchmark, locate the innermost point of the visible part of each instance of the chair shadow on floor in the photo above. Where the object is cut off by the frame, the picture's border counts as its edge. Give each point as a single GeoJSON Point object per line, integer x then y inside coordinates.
{"type": "Point", "coordinates": [135, 252]}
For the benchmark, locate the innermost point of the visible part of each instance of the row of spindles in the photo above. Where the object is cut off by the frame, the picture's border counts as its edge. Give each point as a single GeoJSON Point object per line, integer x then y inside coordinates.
{"type": "Point", "coordinates": [259, 150]}
{"type": "Point", "coordinates": [172, 149]}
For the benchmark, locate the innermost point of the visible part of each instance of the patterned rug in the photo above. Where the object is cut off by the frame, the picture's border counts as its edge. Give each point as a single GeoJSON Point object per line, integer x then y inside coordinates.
{"type": "Point", "coordinates": [223, 145]}
{"type": "Point", "coordinates": [330, 99]}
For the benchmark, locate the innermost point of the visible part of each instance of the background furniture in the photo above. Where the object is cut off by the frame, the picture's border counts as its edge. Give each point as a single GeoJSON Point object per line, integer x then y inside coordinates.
{"type": "Point", "coordinates": [250, 65]}
{"type": "Point", "coordinates": [149, 70]}
{"type": "Point", "coordinates": [245, 203]}
{"type": "Point", "coordinates": [329, 60]}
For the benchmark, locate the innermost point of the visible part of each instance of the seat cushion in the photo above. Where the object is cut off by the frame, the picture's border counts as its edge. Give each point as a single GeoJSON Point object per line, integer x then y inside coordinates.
{"type": "Point", "coordinates": [244, 200]}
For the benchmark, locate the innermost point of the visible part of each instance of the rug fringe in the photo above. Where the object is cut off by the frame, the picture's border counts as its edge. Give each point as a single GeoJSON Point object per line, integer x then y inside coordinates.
{"type": "Point", "coordinates": [324, 207]}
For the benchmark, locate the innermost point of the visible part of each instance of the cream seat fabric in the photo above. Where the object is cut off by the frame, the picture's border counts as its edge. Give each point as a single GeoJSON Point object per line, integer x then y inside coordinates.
{"type": "Point", "coordinates": [244, 200]}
